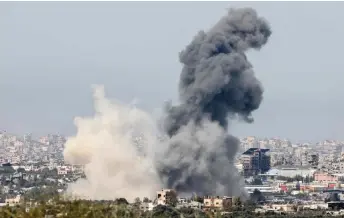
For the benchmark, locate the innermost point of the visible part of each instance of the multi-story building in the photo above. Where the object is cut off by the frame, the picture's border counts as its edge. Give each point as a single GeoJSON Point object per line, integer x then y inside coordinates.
{"type": "Point", "coordinates": [217, 203]}
{"type": "Point", "coordinates": [309, 158]}
{"type": "Point", "coordinates": [313, 159]}
{"type": "Point", "coordinates": [255, 161]}
{"type": "Point", "coordinates": [63, 170]}
{"type": "Point", "coordinates": [162, 196]}
{"type": "Point", "coordinates": [13, 201]}
{"type": "Point", "coordinates": [322, 177]}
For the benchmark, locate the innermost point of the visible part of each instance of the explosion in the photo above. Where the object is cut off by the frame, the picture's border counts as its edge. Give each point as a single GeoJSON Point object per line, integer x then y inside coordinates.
{"type": "Point", "coordinates": [196, 153]}
{"type": "Point", "coordinates": [105, 144]}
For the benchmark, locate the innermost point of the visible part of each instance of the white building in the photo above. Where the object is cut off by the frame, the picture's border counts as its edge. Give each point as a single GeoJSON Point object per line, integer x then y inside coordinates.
{"type": "Point", "coordinates": [63, 170]}
{"type": "Point", "coordinates": [13, 201]}
{"type": "Point", "coordinates": [291, 172]}
{"type": "Point", "coordinates": [147, 206]}
{"type": "Point", "coordinates": [262, 188]}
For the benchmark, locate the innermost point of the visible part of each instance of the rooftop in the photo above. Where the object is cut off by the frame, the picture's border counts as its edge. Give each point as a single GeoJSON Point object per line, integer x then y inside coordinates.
{"type": "Point", "coordinates": [252, 150]}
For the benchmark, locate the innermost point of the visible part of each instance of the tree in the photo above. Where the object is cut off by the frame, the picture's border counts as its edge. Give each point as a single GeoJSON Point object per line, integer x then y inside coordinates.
{"type": "Point", "coordinates": [137, 203]}
{"type": "Point", "coordinates": [249, 205]}
{"type": "Point", "coordinates": [309, 179]}
{"type": "Point", "coordinates": [257, 196]}
{"type": "Point", "coordinates": [171, 198]}
{"type": "Point", "coordinates": [165, 211]}
{"type": "Point", "coordinates": [237, 203]}
{"type": "Point", "coordinates": [186, 211]}
{"type": "Point", "coordinates": [295, 208]}
{"type": "Point", "coordinates": [121, 201]}
{"type": "Point", "coordinates": [298, 178]}
{"type": "Point", "coordinates": [146, 200]}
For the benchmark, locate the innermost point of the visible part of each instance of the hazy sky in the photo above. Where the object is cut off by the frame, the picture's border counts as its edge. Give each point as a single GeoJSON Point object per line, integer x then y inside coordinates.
{"type": "Point", "coordinates": [52, 52]}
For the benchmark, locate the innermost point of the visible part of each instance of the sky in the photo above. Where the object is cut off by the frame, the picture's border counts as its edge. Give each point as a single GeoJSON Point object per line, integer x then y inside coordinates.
{"type": "Point", "coordinates": [52, 52]}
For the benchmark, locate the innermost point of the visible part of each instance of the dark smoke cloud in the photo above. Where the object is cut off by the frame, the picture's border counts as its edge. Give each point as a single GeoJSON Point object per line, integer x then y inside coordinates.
{"type": "Point", "coordinates": [217, 82]}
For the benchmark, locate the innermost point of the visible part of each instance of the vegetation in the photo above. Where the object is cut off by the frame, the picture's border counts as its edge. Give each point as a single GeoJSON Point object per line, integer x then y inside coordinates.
{"type": "Point", "coordinates": [171, 198]}
{"type": "Point", "coordinates": [120, 208]}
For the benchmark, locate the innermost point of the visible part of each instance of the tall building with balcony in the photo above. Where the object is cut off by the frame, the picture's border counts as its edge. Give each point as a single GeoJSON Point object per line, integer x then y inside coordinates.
{"type": "Point", "coordinates": [255, 161]}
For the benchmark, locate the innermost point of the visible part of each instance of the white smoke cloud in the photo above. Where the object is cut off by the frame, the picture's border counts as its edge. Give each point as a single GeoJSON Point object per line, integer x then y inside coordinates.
{"type": "Point", "coordinates": [107, 144]}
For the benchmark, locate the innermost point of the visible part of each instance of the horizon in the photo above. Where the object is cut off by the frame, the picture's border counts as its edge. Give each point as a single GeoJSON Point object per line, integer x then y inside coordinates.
{"type": "Point", "coordinates": [37, 137]}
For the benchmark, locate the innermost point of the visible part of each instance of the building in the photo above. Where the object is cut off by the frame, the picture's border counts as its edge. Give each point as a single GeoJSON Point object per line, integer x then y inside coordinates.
{"type": "Point", "coordinates": [63, 170]}
{"type": "Point", "coordinates": [13, 201]}
{"type": "Point", "coordinates": [309, 158]}
{"type": "Point", "coordinates": [255, 161]}
{"type": "Point", "coordinates": [262, 188]}
{"type": "Point", "coordinates": [147, 206]}
{"type": "Point", "coordinates": [162, 196]}
{"type": "Point", "coordinates": [325, 177]}
{"type": "Point", "coordinates": [216, 203]}
{"type": "Point", "coordinates": [195, 205]}
{"type": "Point", "coordinates": [283, 207]}
{"type": "Point", "coordinates": [290, 171]}
{"type": "Point", "coordinates": [313, 159]}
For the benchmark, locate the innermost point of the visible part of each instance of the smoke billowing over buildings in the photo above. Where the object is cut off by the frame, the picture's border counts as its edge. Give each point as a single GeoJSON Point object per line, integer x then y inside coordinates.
{"type": "Point", "coordinates": [217, 83]}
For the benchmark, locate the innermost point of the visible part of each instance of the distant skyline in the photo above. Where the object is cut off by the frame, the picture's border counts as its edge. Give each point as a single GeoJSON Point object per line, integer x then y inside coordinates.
{"type": "Point", "coordinates": [52, 52]}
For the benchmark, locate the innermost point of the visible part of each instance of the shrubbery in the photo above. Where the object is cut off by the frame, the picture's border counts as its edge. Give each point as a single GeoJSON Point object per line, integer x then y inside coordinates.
{"type": "Point", "coordinates": [121, 209]}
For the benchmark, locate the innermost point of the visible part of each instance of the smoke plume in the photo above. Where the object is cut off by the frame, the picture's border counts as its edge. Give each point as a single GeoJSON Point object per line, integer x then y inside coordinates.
{"type": "Point", "coordinates": [217, 82]}
{"type": "Point", "coordinates": [107, 144]}
{"type": "Point", "coordinates": [196, 153]}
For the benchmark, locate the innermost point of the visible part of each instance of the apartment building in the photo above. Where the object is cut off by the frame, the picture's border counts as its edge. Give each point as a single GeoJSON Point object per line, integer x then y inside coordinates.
{"type": "Point", "coordinates": [162, 196]}
{"type": "Point", "coordinates": [255, 161]}
{"type": "Point", "coordinates": [13, 201]}
{"type": "Point", "coordinates": [309, 158]}
{"type": "Point", "coordinates": [323, 177]}
{"type": "Point", "coordinates": [216, 203]}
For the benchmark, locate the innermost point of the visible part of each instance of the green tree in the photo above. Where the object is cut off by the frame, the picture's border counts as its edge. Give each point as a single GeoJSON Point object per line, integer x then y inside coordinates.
{"type": "Point", "coordinates": [237, 204]}
{"type": "Point", "coordinates": [257, 196]}
{"type": "Point", "coordinates": [121, 201]}
{"type": "Point", "coordinates": [171, 198]}
{"type": "Point", "coordinates": [137, 203]}
{"type": "Point", "coordinates": [162, 211]}
{"type": "Point", "coordinates": [145, 200]}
